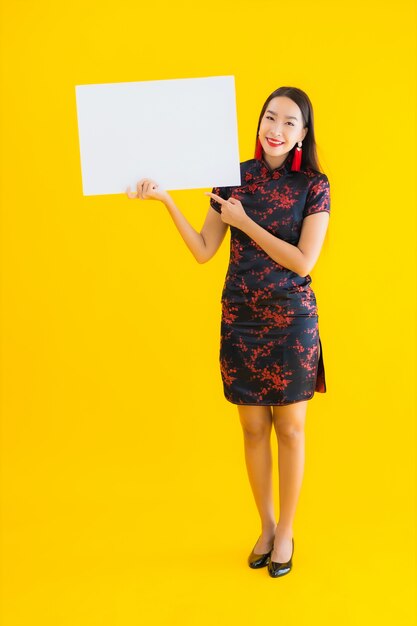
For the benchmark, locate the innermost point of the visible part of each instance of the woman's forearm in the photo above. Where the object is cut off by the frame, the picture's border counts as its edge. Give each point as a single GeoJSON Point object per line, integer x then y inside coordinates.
{"type": "Point", "coordinates": [193, 240]}
{"type": "Point", "coordinates": [281, 251]}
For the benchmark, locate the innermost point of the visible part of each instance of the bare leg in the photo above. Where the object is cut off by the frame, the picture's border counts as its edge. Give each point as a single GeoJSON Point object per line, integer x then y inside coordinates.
{"type": "Point", "coordinates": [289, 422]}
{"type": "Point", "coordinates": [256, 423]}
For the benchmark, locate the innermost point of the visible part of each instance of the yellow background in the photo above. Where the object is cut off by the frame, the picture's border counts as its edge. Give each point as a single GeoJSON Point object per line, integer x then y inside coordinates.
{"type": "Point", "coordinates": [125, 498]}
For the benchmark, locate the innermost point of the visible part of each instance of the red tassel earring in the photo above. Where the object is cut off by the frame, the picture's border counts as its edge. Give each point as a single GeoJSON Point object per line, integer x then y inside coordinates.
{"type": "Point", "coordinates": [258, 150]}
{"type": "Point", "coordinates": [296, 162]}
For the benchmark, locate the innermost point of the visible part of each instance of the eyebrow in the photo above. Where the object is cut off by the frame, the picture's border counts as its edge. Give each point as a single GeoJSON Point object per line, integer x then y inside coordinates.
{"type": "Point", "coordinates": [289, 117]}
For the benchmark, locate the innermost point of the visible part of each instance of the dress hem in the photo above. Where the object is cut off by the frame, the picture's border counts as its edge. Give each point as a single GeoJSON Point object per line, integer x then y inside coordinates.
{"type": "Point", "coordinates": [272, 403]}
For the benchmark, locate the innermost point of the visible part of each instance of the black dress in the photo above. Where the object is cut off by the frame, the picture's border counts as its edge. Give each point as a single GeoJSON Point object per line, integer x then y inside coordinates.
{"type": "Point", "coordinates": [270, 348]}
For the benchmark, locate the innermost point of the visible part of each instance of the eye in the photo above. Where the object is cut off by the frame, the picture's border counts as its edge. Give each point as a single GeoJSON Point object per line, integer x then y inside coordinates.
{"type": "Point", "coordinates": [269, 117]}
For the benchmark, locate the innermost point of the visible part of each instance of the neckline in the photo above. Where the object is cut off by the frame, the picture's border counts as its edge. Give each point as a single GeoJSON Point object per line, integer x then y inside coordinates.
{"type": "Point", "coordinates": [285, 166]}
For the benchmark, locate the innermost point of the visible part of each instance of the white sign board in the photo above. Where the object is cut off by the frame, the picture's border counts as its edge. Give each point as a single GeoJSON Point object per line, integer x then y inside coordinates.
{"type": "Point", "coordinates": [181, 133]}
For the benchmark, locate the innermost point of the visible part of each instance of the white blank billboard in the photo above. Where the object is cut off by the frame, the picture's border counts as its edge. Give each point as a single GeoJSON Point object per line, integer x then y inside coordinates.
{"type": "Point", "coordinates": [182, 133]}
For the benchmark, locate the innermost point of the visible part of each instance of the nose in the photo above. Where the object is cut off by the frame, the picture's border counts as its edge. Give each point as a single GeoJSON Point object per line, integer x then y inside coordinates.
{"type": "Point", "coordinates": [276, 132]}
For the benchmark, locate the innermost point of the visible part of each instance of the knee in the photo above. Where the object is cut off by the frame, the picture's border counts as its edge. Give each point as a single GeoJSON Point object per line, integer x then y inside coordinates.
{"type": "Point", "coordinates": [256, 433]}
{"type": "Point", "coordinates": [290, 434]}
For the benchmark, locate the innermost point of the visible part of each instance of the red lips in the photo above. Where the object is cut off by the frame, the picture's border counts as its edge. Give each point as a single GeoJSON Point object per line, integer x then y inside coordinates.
{"type": "Point", "coordinates": [275, 142]}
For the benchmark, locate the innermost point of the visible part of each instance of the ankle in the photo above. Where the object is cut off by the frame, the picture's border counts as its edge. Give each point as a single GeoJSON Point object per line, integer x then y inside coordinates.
{"type": "Point", "coordinates": [268, 528]}
{"type": "Point", "coordinates": [284, 530]}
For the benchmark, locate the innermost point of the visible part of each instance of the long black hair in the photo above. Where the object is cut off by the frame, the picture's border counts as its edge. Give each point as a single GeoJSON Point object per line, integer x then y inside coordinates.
{"type": "Point", "coordinates": [309, 154]}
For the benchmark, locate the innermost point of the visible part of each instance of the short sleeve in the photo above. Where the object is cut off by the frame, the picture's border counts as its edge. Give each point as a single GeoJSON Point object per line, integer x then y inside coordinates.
{"type": "Point", "coordinates": [223, 192]}
{"type": "Point", "coordinates": [318, 197]}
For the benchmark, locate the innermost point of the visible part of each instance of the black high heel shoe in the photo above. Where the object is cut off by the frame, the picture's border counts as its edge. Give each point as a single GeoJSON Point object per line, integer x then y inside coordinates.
{"type": "Point", "coordinates": [255, 561]}
{"type": "Point", "coordinates": [280, 569]}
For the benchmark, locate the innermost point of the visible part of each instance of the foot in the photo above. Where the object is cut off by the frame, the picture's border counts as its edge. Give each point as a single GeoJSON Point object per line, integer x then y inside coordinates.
{"type": "Point", "coordinates": [265, 541]}
{"type": "Point", "coordinates": [282, 546]}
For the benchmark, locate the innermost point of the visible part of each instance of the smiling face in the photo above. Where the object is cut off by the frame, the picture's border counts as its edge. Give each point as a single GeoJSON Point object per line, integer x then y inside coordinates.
{"type": "Point", "coordinates": [281, 128]}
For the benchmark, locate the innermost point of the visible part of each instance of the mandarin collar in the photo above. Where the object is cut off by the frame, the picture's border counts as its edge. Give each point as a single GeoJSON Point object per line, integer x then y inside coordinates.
{"type": "Point", "coordinates": [282, 169]}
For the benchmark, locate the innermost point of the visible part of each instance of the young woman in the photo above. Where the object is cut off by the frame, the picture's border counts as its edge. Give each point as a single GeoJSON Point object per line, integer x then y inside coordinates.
{"type": "Point", "coordinates": [271, 360]}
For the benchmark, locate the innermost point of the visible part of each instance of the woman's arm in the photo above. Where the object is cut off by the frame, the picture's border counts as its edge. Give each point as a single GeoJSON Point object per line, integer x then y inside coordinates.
{"type": "Point", "coordinates": [300, 258]}
{"type": "Point", "coordinates": [203, 245]}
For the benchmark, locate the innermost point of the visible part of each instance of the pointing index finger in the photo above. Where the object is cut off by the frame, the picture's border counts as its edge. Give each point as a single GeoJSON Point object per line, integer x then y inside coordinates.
{"type": "Point", "coordinates": [216, 197]}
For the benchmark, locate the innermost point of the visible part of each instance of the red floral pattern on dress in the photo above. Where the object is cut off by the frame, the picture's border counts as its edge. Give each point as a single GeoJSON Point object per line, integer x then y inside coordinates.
{"type": "Point", "coordinates": [270, 349]}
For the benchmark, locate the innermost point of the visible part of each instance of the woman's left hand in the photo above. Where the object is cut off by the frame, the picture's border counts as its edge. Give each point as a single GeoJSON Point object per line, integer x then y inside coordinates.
{"type": "Point", "coordinates": [232, 211]}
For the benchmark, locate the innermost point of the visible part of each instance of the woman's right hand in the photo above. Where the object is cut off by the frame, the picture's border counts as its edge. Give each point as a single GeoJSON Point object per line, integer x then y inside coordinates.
{"type": "Point", "coordinates": [148, 189]}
